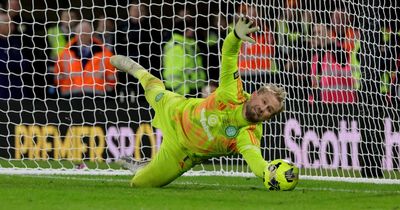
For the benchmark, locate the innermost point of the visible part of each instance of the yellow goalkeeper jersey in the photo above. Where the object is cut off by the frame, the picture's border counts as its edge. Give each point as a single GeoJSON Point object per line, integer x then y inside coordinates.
{"type": "Point", "coordinates": [215, 126]}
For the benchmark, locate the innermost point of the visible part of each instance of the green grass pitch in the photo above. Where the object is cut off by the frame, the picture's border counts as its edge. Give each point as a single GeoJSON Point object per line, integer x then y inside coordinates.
{"type": "Point", "coordinates": [53, 192]}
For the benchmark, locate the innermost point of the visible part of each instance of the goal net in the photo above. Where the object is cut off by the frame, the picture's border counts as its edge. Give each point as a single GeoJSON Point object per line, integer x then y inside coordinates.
{"type": "Point", "coordinates": [64, 110]}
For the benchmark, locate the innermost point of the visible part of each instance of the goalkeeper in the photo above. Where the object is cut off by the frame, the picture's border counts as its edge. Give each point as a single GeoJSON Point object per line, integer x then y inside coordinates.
{"type": "Point", "coordinates": [229, 121]}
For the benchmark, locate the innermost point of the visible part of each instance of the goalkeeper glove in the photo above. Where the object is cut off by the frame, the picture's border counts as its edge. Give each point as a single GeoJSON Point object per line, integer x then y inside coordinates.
{"type": "Point", "coordinates": [243, 29]}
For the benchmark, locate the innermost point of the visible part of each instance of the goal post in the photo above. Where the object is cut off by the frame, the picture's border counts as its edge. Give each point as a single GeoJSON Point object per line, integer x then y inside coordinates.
{"type": "Point", "coordinates": [338, 62]}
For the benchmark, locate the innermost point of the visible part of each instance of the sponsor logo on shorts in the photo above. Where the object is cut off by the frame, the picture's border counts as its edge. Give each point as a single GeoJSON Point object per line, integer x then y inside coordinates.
{"type": "Point", "coordinates": [231, 131]}
{"type": "Point", "coordinates": [159, 96]}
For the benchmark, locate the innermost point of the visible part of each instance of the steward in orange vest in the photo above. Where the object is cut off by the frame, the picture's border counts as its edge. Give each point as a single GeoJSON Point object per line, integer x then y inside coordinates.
{"type": "Point", "coordinates": [85, 70]}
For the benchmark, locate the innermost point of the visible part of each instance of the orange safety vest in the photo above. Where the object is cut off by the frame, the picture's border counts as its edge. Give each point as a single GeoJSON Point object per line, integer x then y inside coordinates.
{"type": "Point", "coordinates": [258, 56]}
{"type": "Point", "coordinates": [95, 76]}
{"type": "Point", "coordinates": [335, 80]}
{"type": "Point", "coordinates": [351, 36]}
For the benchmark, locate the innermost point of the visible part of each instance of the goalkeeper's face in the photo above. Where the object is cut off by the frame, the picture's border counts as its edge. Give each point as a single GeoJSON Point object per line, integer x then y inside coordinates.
{"type": "Point", "coordinates": [261, 107]}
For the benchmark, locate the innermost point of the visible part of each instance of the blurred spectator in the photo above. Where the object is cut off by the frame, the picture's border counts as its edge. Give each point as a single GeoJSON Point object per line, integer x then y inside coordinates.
{"type": "Point", "coordinates": [393, 55]}
{"type": "Point", "coordinates": [388, 63]}
{"type": "Point", "coordinates": [83, 67]}
{"type": "Point", "coordinates": [289, 35]}
{"type": "Point", "coordinates": [320, 37]}
{"type": "Point", "coordinates": [216, 34]}
{"type": "Point", "coordinates": [292, 29]}
{"type": "Point", "coordinates": [336, 70]}
{"type": "Point", "coordinates": [315, 46]}
{"type": "Point", "coordinates": [133, 35]}
{"type": "Point", "coordinates": [14, 13]}
{"type": "Point", "coordinates": [59, 35]}
{"type": "Point", "coordinates": [12, 62]}
{"type": "Point", "coordinates": [347, 37]}
{"type": "Point", "coordinates": [105, 31]}
{"type": "Point", "coordinates": [182, 16]}
{"type": "Point", "coordinates": [24, 33]}
{"type": "Point", "coordinates": [211, 50]}
{"type": "Point", "coordinates": [140, 39]}
{"type": "Point", "coordinates": [183, 70]}
{"type": "Point", "coordinates": [258, 56]}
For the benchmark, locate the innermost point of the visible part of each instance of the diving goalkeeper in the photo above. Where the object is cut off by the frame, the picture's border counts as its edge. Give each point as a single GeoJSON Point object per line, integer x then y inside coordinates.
{"type": "Point", "coordinates": [227, 122]}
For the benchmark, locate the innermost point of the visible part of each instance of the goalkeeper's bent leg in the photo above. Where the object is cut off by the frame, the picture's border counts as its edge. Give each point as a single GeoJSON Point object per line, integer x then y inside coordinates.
{"type": "Point", "coordinates": [151, 84]}
{"type": "Point", "coordinates": [170, 162]}
{"type": "Point", "coordinates": [152, 87]}
{"type": "Point", "coordinates": [127, 65]}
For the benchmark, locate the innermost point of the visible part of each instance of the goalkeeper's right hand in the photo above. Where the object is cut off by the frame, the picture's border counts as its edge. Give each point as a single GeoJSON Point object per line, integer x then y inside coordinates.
{"type": "Point", "coordinates": [243, 29]}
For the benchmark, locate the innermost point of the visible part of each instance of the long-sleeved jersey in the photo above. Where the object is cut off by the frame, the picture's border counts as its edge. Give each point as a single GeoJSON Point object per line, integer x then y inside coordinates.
{"type": "Point", "coordinates": [215, 126]}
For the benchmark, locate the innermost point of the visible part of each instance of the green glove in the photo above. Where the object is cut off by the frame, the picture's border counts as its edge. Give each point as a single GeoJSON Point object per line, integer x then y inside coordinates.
{"type": "Point", "coordinates": [243, 29]}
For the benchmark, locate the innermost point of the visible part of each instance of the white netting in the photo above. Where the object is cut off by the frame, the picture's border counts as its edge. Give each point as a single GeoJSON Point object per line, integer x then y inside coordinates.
{"type": "Point", "coordinates": [338, 61]}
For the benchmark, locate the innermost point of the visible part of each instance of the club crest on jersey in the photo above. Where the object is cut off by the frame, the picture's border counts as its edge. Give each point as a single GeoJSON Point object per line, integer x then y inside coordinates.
{"type": "Point", "coordinates": [159, 96]}
{"type": "Point", "coordinates": [212, 120]}
{"type": "Point", "coordinates": [231, 131]}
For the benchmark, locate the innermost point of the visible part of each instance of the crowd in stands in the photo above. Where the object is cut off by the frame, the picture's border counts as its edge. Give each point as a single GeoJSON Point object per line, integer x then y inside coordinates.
{"type": "Point", "coordinates": [318, 54]}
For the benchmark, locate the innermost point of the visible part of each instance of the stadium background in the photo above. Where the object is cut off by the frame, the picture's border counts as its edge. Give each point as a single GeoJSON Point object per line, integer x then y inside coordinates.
{"type": "Point", "coordinates": [372, 119]}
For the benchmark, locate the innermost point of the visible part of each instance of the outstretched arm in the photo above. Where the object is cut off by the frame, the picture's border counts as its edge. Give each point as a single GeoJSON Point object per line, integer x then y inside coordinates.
{"type": "Point", "coordinates": [230, 52]}
{"type": "Point", "coordinates": [254, 159]}
{"type": "Point", "coordinates": [229, 76]}
{"type": "Point", "coordinates": [248, 144]}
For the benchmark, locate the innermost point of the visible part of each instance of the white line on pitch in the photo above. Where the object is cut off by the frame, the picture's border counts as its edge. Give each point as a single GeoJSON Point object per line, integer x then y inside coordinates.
{"type": "Point", "coordinates": [77, 178]}
{"type": "Point", "coordinates": [211, 184]}
{"type": "Point", "coordinates": [347, 190]}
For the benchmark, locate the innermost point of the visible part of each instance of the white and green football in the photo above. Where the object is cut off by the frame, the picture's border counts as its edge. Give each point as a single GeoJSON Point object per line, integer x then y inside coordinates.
{"type": "Point", "coordinates": [281, 175]}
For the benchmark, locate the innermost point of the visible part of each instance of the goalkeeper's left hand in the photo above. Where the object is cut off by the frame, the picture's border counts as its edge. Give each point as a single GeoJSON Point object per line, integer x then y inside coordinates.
{"type": "Point", "coordinates": [243, 29]}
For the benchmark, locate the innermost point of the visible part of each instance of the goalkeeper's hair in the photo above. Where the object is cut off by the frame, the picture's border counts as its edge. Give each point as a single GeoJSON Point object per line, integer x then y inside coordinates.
{"type": "Point", "coordinates": [278, 92]}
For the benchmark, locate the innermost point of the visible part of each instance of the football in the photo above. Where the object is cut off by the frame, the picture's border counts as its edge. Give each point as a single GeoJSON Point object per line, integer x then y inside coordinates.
{"type": "Point", "coordinates": [281, 175]}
